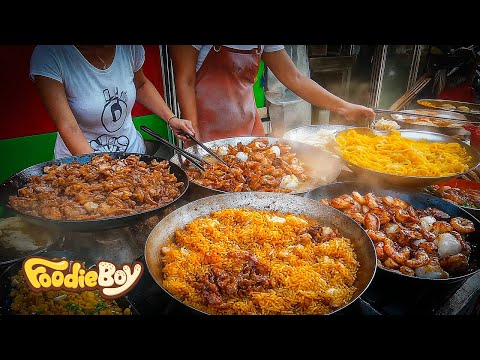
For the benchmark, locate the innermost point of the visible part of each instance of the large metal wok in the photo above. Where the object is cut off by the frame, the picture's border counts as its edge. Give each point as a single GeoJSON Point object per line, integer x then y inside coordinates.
{"type": "Point", "coordinates": [20, 179]}
{"type": "Point", "coordinates": [325, 164]}
{"type": "Point", "coordinates": [419, 200]}
{"type": "Point", "coordinates": [163, 233]}
{"type": "Point", "coordinates": [368, 175]}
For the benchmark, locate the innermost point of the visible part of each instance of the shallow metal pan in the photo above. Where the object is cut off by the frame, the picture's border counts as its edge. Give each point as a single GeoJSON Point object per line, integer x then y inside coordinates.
{"type": "Point", "coordinates": [14, 183]}
{"type": "Point", "coordinates": [326, 164]}
{"type": "Point", "coordinates": [368, 175]}
{"type": "Point", "coordinates": [163, 233]}
{"type": "Point", "coordinates": [417, 199]}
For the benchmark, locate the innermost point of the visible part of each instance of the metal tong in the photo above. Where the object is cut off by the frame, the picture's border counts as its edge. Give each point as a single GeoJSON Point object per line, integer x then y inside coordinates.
{"type": "Point", "coordinates": [192, 158]}
{"type": "Point", "coordinates": [199, 143]}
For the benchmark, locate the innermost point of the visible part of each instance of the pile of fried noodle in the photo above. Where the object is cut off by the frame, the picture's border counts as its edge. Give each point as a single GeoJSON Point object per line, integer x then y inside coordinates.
{"type": "Point", "coordinates": [396, 155]}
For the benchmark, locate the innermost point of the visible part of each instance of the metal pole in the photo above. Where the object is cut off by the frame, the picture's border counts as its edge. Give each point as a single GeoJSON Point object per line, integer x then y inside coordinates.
{"type": "Point", "coordinates": [378, 68]}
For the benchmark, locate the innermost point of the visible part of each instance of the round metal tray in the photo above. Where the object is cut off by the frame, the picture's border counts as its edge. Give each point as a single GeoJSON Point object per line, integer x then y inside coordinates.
{"type": "Point", "coordinates": [368, 175]}
{"type": "Point", "coordinates": [458, 131]}
{"type": "Point", "coordinates": [437, 104]}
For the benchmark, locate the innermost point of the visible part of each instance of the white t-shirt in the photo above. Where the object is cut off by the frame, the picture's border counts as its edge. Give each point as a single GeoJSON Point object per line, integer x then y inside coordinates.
{"type": "Point", "coordinates": [204, 49]}
{"type": "Point", "coordinates": [101, 100]}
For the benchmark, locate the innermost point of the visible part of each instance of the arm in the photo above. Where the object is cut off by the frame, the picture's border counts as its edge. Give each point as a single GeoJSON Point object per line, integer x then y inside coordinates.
{"type": "Point", "coordinates": [287, 73]}
{"type": "Point", "coordinates": [184, 59]}
{"type": "Point", "coordinates": [149, 96]}
{"type": "Point", "coordinates": [52, 94]}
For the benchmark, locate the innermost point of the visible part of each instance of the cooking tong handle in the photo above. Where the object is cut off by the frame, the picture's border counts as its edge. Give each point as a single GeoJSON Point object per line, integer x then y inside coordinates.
{"type": "Point", "coordinates": [192, 158]}
{"type": "Point", "coordinates": [199, 143]}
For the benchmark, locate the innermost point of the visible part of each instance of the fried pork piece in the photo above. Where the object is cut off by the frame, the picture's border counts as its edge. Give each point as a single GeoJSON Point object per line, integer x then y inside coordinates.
{"type": "Point", "coordinates": [104, 187]}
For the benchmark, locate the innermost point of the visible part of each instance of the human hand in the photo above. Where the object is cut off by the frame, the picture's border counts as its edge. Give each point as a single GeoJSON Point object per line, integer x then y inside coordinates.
{"type": "Point", "coordinates": [354, 112]}
{"type": "Point", "coordinates": [179, 126]}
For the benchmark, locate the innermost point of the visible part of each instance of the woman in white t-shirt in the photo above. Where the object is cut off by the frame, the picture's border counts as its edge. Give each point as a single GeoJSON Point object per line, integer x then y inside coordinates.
{"type": "Point", "coordinates": [89, 92]}
{"type": "Point", "coordinates": [214, 85]}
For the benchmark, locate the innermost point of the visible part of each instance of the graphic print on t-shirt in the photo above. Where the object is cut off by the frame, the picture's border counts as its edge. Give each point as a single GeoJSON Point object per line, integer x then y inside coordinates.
{"type": "Point", "coordinates": [106, 143]}
{"type": "Point", "coordinates": [115, 110]}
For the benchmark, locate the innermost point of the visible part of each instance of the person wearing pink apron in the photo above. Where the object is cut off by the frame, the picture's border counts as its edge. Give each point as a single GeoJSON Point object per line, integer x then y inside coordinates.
{"type": "Point", "coordinates": [214, 86]}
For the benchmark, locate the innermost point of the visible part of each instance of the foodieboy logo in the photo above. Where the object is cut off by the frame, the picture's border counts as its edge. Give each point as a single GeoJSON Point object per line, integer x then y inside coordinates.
{"type": "Point", "coordinates": [42, 274]}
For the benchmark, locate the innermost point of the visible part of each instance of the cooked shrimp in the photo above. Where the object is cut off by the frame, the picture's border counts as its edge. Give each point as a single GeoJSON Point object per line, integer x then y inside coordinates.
{"type": "Point", "coordinates": [390, 263]}
{"type": "Point", "coordinates": [400, 203]}
{"type": "Point", "coordinates": [406, 270]}
{"type": "Point", "coordinates": [455, 263]}
{"type": "Point", "coordinates": [394, 201]}
{"type": "Point", "coordinates": [403, 215]}
{"type": "Point", "coordinates": [462, 225]}
{"type": "Point", "coordinates": [420, 259]}
{"type": "Point", "coordinates": [441, 227]}
{"type": "Point", "coordinates": [382, 215]}
{"type": "Point", "coordinates": [356, 195]}
{"type": "Point", "coordinates": [387, 200]}
{"type": "Point", "coordinates": [325, 201]}
{"type": "Point", "coordinates": [381, 255]}
{"type": "Point", "coordinates": [391, 229]}
{"type": "Point", "coordinates": [377, 236]}
{"type": "Point", "coordinates": [400, 256]}
{"type": "Point", "coordinates": [405, 237]}
{"type": "Point", "coordinates": [427, 235]}
{"type": "Point", "coordinates": [342, 202]}
{"type": "Point", "coordinates": [371, 222]}
{"type": "Point", "coordinates": [358, 217]}
{"type": "Point", "coordinates": [436, 213]}
{"type": "Point", "coordinates": [429, 247]}
{"type": "Point", "coordinates": [371, 200]}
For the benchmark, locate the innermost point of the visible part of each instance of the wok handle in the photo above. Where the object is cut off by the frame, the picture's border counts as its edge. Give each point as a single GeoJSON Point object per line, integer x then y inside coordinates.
{"type": "Point", "coordinates": [193, 159]}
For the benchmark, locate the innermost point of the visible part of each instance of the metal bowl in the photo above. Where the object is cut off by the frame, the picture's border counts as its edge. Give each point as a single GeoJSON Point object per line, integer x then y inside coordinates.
{"type": "Point", "coordinates": [163, 233]}
{"type": "Point", "coordinates": [307, 154]}
{"type": "Point", "coordinates": [369, 176]}
{"type": "Point", "coordinates": [419, 200]}
{"type": "Point", "coordinates": [300, 133]}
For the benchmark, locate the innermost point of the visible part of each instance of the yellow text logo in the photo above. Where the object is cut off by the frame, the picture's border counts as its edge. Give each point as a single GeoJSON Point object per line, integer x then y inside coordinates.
{"type": "Point", "coordinates": [43, 274]}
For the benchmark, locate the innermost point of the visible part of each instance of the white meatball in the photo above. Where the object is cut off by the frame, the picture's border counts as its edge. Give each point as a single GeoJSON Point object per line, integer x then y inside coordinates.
{"type": "Point", "coordinates": [241, 156]}
{"type": "Point", "coordinates": [448, 245]}
{"type": "Point", "coordinates": [289, 182]}
{"type": "Point", "coordinates": [222, 150]}
{"type": "Point", "coordinates": [426, 222]}
{"type": "Point", "coordinates": [275, 150]}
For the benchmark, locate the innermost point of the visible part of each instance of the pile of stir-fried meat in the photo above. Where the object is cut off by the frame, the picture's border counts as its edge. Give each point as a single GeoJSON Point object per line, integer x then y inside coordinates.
{"type": "Point", "coordinates": [257, 166]}
{"type": "Point", "coordinates": [462, 197]}
{"type": "Point", "coordinates": [104, 187]}
{"type": "Point", "coordinates": [425, 243]}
